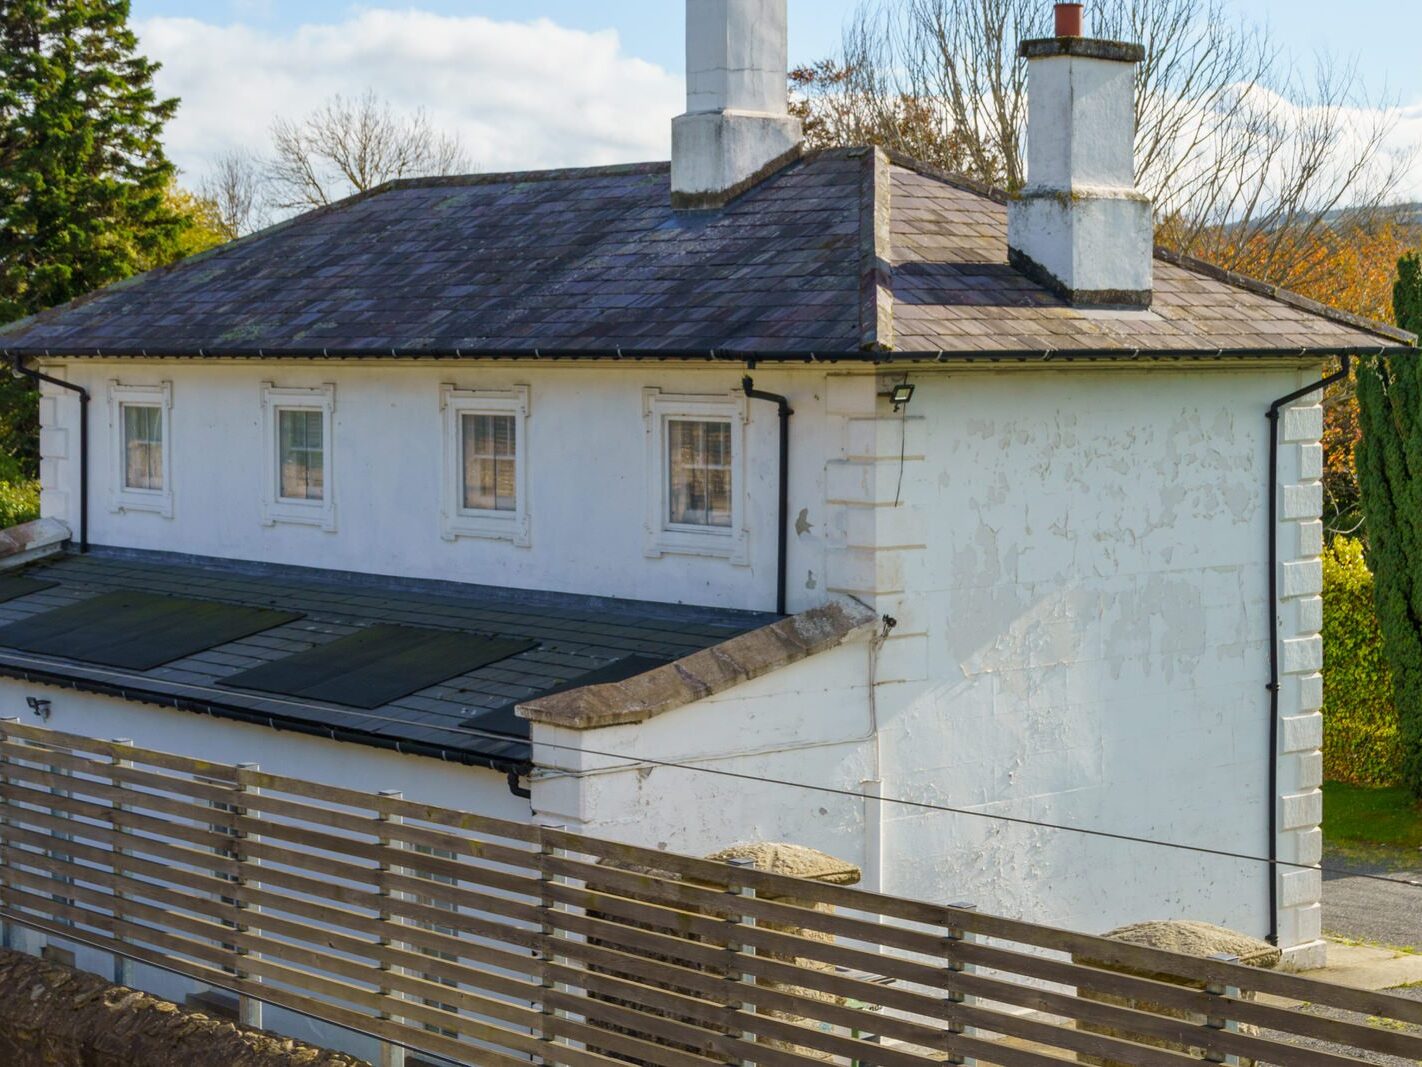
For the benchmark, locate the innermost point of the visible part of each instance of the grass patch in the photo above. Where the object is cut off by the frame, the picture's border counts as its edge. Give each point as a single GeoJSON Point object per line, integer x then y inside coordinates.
{"type": "Point", "coordinates": [1371, 815]}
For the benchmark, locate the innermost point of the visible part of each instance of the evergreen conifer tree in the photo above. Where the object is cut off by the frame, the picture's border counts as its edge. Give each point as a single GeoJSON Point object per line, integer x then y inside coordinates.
{"type": "Point", "coordinates": [1390, 474]}
{"type": "Point", "coordinates": [83, 176]}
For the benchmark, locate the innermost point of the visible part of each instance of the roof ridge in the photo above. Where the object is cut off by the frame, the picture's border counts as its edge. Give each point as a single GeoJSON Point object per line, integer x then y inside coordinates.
{"type": "Point", "coordinates": [876, 264]}
{"type": "Point", "coordinates": [437, 181]}
{"type": "Point", "coordinates": [996, 193]}
{"type": "Point", "coordinates": [1195, 265]}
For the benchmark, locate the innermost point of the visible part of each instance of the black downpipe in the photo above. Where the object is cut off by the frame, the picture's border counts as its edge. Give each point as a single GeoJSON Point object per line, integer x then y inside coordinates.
{"type": "Point", "coordinates": [518, 789]}
{"type": "Point", "coordinates": [37, 376]}
{"type": "Point", "coordinates": [1273, 416]}
{"type": "Point", "coordinates": [782, 574]}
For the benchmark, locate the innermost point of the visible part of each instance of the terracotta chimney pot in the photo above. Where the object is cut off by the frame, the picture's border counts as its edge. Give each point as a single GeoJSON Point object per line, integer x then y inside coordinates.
{"type": "Point", "coordinates": [1069, 20]}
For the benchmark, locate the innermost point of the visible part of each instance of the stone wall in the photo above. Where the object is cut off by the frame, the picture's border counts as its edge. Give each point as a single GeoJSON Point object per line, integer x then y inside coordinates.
{"type": "Point", "coordinates": [53, 1016]}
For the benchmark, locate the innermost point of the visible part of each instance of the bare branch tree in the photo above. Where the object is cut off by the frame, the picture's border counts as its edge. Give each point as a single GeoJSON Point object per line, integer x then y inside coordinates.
{"type": "Point", "coordinates": [348, 146]}
{"type": "Point", "coordinates": [235, 185]}
{"type": "Point", "coordinates": [1250, 158]}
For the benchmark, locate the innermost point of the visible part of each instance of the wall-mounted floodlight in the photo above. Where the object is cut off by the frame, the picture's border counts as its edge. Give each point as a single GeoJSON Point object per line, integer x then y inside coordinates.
{"type": "Point", "coordinates": [899, 395]}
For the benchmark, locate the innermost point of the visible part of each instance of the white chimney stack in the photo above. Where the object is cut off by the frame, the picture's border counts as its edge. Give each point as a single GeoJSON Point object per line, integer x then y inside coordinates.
{"type": "Point", "coordinates": [737, 127]}
{"type": "Point", "coordinates": [1080, 226]}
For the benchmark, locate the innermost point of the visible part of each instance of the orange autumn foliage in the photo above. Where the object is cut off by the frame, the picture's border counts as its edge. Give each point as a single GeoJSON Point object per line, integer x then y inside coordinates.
{"type": "Point", "coordinates": [1351, 267]}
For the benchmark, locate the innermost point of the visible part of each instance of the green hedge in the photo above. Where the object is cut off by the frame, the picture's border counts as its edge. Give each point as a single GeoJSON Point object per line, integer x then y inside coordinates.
{"type": "Point", "coordinates": [1360, 735]}
{"type": "Point", "coordinates": [19, 502]}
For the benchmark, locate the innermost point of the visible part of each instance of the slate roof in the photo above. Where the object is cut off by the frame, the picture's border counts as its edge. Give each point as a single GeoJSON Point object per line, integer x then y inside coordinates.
{"type": "Point", "coordinates": [842, 253]}
{"type": "Point", "coordinates": [575, 635]}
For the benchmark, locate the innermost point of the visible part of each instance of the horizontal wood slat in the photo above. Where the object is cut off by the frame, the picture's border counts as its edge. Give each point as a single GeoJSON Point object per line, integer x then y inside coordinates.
{"type": "Point", "coordinates": [406, 921]}
{"type": "Point", "coordinates": [388, 1029]}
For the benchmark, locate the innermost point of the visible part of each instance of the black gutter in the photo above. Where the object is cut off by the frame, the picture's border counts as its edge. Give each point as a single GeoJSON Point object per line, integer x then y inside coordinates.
{"type": "Point", "coordinates": [1274, 680]}
{"type": "Point", "coordinates": [783, 559]}
{"type": "Point", "coordinates": [17, 362]}
{"type": "Point", "coordinates": [40, 676]}
{"type": "Point", "coordinates": [748, 357]}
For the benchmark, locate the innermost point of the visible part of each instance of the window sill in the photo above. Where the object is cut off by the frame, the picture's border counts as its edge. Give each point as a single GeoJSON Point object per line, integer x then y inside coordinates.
{"type": "Point", "coordinates": [488, 526]}
{"type": "Point", "coordinates": [680, 542]}
{"type": "Point", "coordinates": [157, 503]}
{"type": "Point", "coordinates": [293, 513]}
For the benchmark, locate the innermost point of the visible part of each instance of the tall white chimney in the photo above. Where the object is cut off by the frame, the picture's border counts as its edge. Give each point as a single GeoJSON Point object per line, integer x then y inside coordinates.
{"type": "Point", "coordinates": [737, 127]}
{"type": "Point", "coordinates": [1080, 226]}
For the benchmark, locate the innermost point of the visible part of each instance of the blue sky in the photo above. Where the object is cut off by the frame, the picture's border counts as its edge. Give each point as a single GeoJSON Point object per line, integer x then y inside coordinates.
{"type": "Point", "coordinates": [547, 83]}
{"type": "Point", "coordinates": [1386, 34]}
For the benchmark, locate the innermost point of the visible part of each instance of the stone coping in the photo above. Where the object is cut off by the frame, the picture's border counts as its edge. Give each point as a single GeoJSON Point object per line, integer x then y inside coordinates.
{"type": "Point", "coordinates": [1192, 938]}
{"type": "Point", "coordinates": [1084, 47]}
{"type": "Point", "coordinates": [704, 673]}
{"type": "Point", "coordinates": [796, 861]}
{"type": "Point", "coordinates": [31, 541]}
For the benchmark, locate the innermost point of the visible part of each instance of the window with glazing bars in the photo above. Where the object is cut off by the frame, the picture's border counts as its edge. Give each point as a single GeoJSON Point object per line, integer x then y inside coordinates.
{"type": "Point", "coordinates": [490, 446]}
{"type": "Point", "coordinates": [301, 456]}
{"type": "Point", "coordinates": [143, 446]}
{"type": "Point", "coordinates": [699, 472]}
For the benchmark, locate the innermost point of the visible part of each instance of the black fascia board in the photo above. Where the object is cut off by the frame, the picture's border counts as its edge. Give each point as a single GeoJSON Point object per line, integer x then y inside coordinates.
{"type": "Point", "coordinates": [748, 357]}
{"type": "Point", "coordinates": [237, 713]}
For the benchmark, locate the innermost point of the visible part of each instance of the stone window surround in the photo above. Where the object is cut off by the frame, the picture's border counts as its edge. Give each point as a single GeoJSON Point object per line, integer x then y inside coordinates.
{"type": "Point", "coordinates": [663, 538]}
{"type": "Point", "coordinates": [456, 521]}
{"type": "Point", "coordinates": [121, 497]}
{"type": "Point", "coordinates": [275, 508]}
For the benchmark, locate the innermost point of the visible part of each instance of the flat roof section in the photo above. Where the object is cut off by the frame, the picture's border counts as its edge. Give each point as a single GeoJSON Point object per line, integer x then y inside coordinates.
{"type": "Point", "coordinates": [466, 717]}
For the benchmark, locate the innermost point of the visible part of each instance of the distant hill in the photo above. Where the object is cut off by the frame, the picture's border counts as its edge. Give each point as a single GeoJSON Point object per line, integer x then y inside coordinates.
{"type": "Point", "coordinates": [1403, 214]}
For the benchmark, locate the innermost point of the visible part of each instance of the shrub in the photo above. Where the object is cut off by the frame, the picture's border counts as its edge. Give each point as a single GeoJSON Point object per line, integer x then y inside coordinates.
{"type": "Point", "coordinates": [19, 502]}
{"type": "Point", "coordinates": [1360, 729]}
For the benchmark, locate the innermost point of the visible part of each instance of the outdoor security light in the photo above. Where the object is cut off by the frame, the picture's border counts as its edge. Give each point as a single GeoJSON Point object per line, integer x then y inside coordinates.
{"type": "Point", "coordinates": [899, 395]}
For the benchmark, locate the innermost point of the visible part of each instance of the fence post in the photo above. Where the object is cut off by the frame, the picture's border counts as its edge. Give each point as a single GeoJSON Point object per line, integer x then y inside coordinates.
{"type": "Point", "coordinates": [7, 928]}
{"type": "Point", "coordinates": [957, 935]}
{"type": "Point", "coordinates": [548, 935]}
{"type": "Point", "coordinates": [249, 1008]}
{"type": "Point", "coordinates": [391, 1055]}
{"type": "Point", "coordinates": [123, 968]}
{"type": "Point", "coordinates": [1221, 1022]}
{"type": "Point", "coordinates": [734, 976]}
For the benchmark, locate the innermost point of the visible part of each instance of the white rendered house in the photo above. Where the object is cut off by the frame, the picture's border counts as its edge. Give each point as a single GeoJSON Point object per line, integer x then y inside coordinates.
{"type": "Point", "coordinates": [698, 503]}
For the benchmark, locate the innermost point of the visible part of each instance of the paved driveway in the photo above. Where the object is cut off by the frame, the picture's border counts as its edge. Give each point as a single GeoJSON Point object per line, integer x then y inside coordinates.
{"type": "Point", "coordinates": [1361, 910]}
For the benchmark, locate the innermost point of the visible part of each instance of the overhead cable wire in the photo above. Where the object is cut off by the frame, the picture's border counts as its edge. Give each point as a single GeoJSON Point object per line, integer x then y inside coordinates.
{"type": "Point", "coordinates": [631, 762]}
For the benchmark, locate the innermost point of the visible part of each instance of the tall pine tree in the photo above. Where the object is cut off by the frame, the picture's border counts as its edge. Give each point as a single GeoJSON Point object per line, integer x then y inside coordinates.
{"type": "Point", "coordinates": [83, 175]}
{"type": "Point", "coordinates": [1390, 475]}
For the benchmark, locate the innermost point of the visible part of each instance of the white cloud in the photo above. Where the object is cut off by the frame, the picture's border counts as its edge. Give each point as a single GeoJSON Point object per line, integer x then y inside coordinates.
{"type": "Point", "coordinates": [521, 95]}
{"type": "Point", "coordinates": [1408, 138]}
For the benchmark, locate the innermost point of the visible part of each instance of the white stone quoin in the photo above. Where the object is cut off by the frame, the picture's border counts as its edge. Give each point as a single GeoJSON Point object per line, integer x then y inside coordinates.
{"type": "Point", "coordinates": [737, 124]}
{"type": "Point", "coordinates": [1080, 225]}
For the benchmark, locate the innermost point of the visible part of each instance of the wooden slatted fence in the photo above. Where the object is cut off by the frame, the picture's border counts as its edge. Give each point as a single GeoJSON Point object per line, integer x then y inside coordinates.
{"type": "Point", "coordinates": [500, 943]}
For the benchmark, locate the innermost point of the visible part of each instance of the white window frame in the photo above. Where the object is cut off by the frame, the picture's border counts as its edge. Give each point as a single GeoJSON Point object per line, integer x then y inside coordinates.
{"type": "Point", "coordinates": [123, 498]}
{"type": "Point", "coordinates": [456, 520]}
{"type": "Point", "coordinates": [275, 507]}
{"type": "Point", "coordinates": [664, 537]}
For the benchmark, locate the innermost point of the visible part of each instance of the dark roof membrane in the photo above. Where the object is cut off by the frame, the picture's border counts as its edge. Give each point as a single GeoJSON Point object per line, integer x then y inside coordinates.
{"type": "Point", "coordinates": [545, 642]}
{"type": "Point", "coordinates": [137, 630]}
{"type": "Point", "coordinates": [378, 665]}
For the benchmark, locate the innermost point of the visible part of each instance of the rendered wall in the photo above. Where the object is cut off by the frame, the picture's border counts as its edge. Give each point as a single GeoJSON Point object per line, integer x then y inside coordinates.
{"type": "Point", "coordinates": [806, 723]}
{"type": "Point", "coordinates": [1076, 559]}
{"type": "Point", "coordinates": [587, 475]}
{"type": "Point", "coordinates": [1078, 570]}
